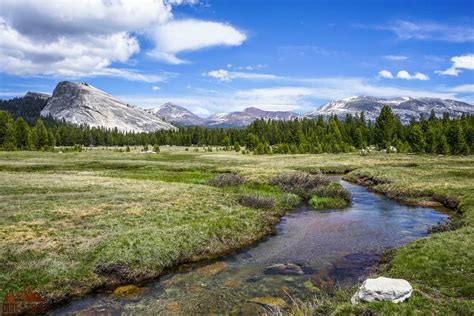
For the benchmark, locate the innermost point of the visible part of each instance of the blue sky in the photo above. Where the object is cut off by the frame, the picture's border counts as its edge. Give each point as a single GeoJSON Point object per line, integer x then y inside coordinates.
{"type": "Point", "coordinates": [219, 56]}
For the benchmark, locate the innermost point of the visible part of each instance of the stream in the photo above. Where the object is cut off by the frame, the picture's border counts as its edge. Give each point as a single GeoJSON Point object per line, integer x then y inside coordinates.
{"type": "Point", "coordinates": [331, 249]}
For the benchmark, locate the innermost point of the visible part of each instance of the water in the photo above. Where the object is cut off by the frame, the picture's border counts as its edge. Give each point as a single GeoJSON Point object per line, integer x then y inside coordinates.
{"type": "Point", "coordinates": [334, 249]}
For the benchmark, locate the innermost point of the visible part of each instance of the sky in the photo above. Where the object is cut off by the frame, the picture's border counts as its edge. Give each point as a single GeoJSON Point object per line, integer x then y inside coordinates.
{"type": "Point", "coordinates": [220, 56]}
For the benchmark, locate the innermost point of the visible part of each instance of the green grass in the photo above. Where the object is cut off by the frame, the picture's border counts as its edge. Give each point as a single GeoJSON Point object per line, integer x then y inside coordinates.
{"type": "Point", "coordinates": [67, 217]}
{"type": "Point", "coordinates": [325, 203]}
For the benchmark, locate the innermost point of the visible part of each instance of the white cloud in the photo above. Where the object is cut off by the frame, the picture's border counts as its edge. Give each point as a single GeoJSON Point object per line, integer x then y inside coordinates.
{"type": "Point", "coordinates": [49, 19]}
{"type": "Point", "coordinates": [248, 67]}
{"type": "Point", "coordinates": [385, 74]}
{"type": "Point", "coordinates": [85, 38]}
{"type": "Point", "coordinates": [225, 75]}
{"type": "Point", "coordinates": [459, 63]}
{"type": "Point", "coordinates": [155, 88]}
{"type": "Point", "coordinates": [465, 88]}
{"type": "Point", "coordinates": [396, 57]}
{"type": "Point", "coordinates": [410, 30]}
{"type": "Point", "coordinates": [178, 36]}
{"type": "Point", "coordinates": [403, 74]}
{"type": "Point", "coordinates": [181, 2]}
{"type": "Point", "coordinates": [75, 38]}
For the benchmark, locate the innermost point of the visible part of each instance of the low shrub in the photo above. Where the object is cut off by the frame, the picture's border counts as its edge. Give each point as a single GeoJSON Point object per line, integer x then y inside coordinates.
{"type": "Point", "coordinates": [333, 190]}
{"type": "Point", "coordinates": [300, 183]}
{"type": "Point", "coordinates": [226, 180]}
{"type": "Point", "coordinates": [257, 201]}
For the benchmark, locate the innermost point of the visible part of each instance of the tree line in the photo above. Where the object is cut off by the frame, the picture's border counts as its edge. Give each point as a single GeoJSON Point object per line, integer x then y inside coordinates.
{"type": "Point", "coordinates": [436, 135]}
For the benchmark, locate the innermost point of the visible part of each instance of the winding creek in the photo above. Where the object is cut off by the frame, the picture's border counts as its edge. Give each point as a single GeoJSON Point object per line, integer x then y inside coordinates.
{"type": "Point", "coordinates": [333, 248]}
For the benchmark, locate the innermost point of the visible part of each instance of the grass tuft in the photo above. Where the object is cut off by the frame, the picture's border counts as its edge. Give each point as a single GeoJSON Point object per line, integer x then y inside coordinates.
{"type": "Point", "coordinates": [300, 183]}
{"type": "Point", "coordinates": [226, 180]}
{"type": "Point", "coordinates": [257, 201]}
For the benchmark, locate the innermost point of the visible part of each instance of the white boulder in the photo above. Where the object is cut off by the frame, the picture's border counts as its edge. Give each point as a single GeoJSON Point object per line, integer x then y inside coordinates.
{"type": "Point", "coordinates": [383, 289]}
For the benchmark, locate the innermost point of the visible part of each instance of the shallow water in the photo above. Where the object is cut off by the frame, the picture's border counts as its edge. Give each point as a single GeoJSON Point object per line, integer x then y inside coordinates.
{"type": "Point", "coordinates": [335, 248]}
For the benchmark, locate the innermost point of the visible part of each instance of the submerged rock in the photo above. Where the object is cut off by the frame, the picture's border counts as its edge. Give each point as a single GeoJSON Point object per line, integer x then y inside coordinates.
{"type": "Point", "coordinates": [127, 290]}
{"type": "Point", "coordinates": [173, 307]}
{"type": "Point", "coordinates": [383, 289]}
{"type": "Point", "coordinates": [213, 269]}
{"type": "Point", "coordinates": [284, 269]}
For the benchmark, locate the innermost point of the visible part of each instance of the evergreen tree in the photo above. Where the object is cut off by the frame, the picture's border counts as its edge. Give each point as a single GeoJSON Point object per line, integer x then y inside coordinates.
{"type": "Point", "coordinates": [416, 139]}
{"type": "Point", "coordinates": [24, 139]}
{"type": "Point", "coordinates": [41, 137]}
{"type": "Point", "coordinates": [385, 128]}
{"type": "Point", "coordinates": [7, 131]}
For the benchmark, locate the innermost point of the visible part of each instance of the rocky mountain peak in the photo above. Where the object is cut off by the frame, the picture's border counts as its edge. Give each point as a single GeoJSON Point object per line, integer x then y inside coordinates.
{"type": "Point", "coordinates": [82, 103]}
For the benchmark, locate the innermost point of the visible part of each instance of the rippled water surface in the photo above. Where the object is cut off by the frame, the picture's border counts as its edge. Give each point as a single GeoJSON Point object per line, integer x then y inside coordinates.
{"type": "Point", "coordinates": [333, 248]}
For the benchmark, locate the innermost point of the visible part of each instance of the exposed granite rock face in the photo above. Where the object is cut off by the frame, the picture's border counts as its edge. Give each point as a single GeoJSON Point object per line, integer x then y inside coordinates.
{"type": "Point", "coordinates": [81, 103]}
{"type": "Point", "coordinates": [383, 289]}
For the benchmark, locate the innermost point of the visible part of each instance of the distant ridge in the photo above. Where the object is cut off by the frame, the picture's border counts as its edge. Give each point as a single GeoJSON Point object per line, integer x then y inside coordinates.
{"type": "Point", "coordinates": [37, 95]}
{"type": "Point", "coordinates": [177, 115]}
{"type": "Point", "coordinates": [405, 107]}
{"type": "Point", "coordinates": [247, 117]}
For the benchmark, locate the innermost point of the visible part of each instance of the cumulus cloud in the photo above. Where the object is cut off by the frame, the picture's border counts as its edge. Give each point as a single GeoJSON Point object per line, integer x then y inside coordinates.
{"type": "Point", "coordinates": [189, 35]}
{"type": "Point", "coordinates": [385, 74]}
{"type": "Point", "coordinates": [459, 63]}
{"type": "Point", "coordinates": [155, 88]}
{"type": "Point", "coordinates": [415, 30]}
{"type": "Point", "coordinates": [403, 74]}
{"type": "Point", "coordinates": [74, 38]}
{"type": "Point", "coordinates": [85, 38]}
{"type": "Point", "coordinates": [225, 75]}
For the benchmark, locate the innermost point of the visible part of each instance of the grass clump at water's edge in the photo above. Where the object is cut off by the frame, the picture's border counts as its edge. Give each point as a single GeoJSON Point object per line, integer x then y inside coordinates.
{"type": "Point", "coordinates": [300, 183]}
{"type": "Point", "coordinates": [330, 196]}
{"type": "Point", "coordinates": [327, 203]}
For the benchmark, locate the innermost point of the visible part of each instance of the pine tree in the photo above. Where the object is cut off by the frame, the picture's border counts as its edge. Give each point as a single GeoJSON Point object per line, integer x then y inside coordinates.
{"type": "Point", "coordinates": [359, 139]}
{"type": "Point", "coordinates": [236, 146]}
{"type": "Point", "coordinates": [7, 131]}
{"type": "Point", "coordinates": [385, 128]}
{"type": "Point", "coordinates": [416, 139]}
{"type": "Point", "coordinates": [24, 137]}
{"type": "Point", "coordinates": [455, 138]}
{"type": "Point", "coordinates": [41, 135]}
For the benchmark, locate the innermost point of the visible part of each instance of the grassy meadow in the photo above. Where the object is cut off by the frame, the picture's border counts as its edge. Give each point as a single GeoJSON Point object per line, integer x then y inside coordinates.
{"type": "Point", "coordinates": [74, 222]}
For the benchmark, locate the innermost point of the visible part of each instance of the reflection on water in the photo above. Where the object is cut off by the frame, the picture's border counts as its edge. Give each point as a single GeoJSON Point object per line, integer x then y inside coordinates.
{"type": "Point", "coordinates": [336, 247]}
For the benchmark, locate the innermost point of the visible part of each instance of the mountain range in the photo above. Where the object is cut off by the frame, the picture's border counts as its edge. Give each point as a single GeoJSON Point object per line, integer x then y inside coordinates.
{"type": "Point", "coordinates": [81, 103]}
{"type": "Point", "coordinates": [405, 107]}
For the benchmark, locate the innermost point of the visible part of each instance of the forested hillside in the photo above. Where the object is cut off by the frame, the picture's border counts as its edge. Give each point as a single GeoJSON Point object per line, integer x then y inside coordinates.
{"type": "Point", "coordinates": [426, 135]}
